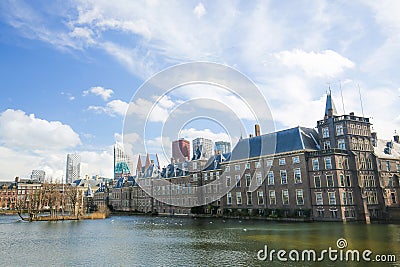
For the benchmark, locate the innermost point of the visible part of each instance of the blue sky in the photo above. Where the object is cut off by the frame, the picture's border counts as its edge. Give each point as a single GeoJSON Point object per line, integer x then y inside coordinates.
{"type": "Point", "coordinates": [69, 70]}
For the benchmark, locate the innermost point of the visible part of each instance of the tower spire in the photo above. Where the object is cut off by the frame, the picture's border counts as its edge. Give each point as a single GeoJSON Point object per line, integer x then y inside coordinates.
{"type": "Point", "coordinates": [330, 108]}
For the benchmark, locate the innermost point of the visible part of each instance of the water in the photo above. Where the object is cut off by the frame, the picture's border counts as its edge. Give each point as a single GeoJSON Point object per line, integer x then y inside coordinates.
{"type": "Point", "coordinates": [165, 241]}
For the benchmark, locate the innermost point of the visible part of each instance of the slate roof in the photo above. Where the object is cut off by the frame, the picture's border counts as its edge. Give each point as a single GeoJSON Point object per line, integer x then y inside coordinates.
{"type": "Point", "coordinates": [214, 162]}
{"type": "Point", "coordinates": [330, 105]}
{"type": "Point", "coordinates": [175, 170]}
{"type": "Point", "coordinates": [387, 149]}
{"type": "Point", "coordinates": [294, 139]}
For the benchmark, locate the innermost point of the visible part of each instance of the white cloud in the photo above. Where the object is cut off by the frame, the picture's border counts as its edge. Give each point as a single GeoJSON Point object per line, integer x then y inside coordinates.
{"type": "Point", "coordinates": [99, 91]}
{"type": "Point", "coordinates": [112, 108]}
{"type": "Point", "coordinates": [327, 63]}
{"type": "Point", "coordinates": [19, 130]}
{"type": "Point", "coordinates": [199, 10]}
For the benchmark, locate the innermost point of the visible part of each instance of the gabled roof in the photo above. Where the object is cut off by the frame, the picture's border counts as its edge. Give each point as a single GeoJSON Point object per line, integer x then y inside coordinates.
{"type": "Point", "coordinates": [294, 139]}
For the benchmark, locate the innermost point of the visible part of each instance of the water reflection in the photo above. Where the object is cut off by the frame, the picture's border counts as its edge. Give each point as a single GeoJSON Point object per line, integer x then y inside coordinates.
{"type": "Point", "coordinates": [164, 241]}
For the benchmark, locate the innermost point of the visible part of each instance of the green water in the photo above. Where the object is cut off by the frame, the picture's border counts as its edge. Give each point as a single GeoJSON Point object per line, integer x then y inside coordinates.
{"type": "Point", "coordinates": [165, 241]}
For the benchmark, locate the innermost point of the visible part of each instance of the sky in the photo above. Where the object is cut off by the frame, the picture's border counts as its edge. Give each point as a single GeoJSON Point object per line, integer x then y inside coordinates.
{"type": "Point", "coordinates": [69, 70]}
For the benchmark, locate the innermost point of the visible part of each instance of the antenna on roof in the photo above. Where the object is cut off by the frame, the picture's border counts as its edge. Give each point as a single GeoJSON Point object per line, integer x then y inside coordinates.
{"type": "Point", "coordinates": [341, 94]}
{"type": "Point", "coordinates": [359, 92]}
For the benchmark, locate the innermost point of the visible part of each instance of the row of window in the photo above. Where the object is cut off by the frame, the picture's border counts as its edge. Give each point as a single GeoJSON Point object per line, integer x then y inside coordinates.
{"type": "Point", "coordinates": [270, 178]}
{"type": "Point", "coordinates": [344, 181]}
{"type": "Point", "coordinates": [353, 129]}
{"type": "Point", "coordinates": [282, 161]}
{"type": "Point", "coordinates": [388, 167]}
{"type": "Point", "coordinates": [347, 198]}
{"type": "Point", "coordinates": [272, 197]}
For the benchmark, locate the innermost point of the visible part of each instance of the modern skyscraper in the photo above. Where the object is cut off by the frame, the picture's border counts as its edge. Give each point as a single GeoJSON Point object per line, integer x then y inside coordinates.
{"type": "Point", "coordinates": [181, 150]}
{"type": "Point", "coordinates": [73, 168]}
{"type": "Point", "coordinates": [38, 175]}
{"type": "Point", "coordinates": [202, 148]}
{"type": "Point", "coordinates": [222, 147]}
{"type": "Point", "coordinates": [122, 162]}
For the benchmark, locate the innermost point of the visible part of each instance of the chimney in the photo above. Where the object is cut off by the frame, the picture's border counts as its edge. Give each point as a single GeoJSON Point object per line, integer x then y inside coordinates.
{"type": "Point", "coordinates": [257, 129]}
{"type": "Point", "coordinates": [396, 138]}
{"type": "Point", "coordinates": [251, 135]}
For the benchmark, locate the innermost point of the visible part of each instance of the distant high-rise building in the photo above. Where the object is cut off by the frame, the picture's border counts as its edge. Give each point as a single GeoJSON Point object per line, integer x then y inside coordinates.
{"type": "Point", "coordinates": [222, 147]}
{"type": "Point", "coordinates": [202, 148]}
{"type": "Point", "coordinates": [181, 150]}
{"type": "Point", "coordinates": [38, 175]}
{"type": "Point", "coordinates": [122, 162]}
{"type": "Point", "coordinates": [73, 168]}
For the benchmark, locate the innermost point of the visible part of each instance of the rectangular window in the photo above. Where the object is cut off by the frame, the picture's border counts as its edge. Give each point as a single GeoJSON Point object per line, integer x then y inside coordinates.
{"type": "Point", "coordinates": [211, 175]}
{"type": "Point", "coordinates": [228, 181]}
{"type": "Point", "coordinates": [283, 177]}
{"type": "Point", "coordinates": [296, 159]}
{"type": "Point", "coordinates": [259, 178]}
{"type": "Point", "coordinates": [229, 198]}
{"type": "Point", "coordinates": [260, 197]}
{"type": "Point", "coordinates": [248, 180]}
{"type": "Point", "coordinates": [341, 144]}
{"type": "Point", "coordinates": [315, 164]}
{"type": "Point", "coordinates": [387, 166]}
{"type": "Point", "coordinates": [348, 180]}
{"type": "Point", "coordinates": [332, 198]}
{"type": "Point", "coordinates": [271, 180]}
{"type": "Point", "coordinates": [247, 166]}
{"type": "Point", "coordinates": [282, 161]}
{"type": "Point", "coordinates": [350, 198]}
{"type": "Point", "coordinates": [339, 129]}
{"type": "Point", "coordinates": [344, 198]}
{"type": "Point", "coordinates": [297, 176]}
{"type": "Point", "coordinates": [258, 164]}
{"type": "Point", "coordinates": [194, 165]}
{"type": "Point", "coordinates": [319, 198]}
{"type": "Point", "coordinates": [299, 197]}
{"type": "Point", "coordinates": [341, 178]}
{"type": "Point", "coordinates": [239, 198]}
{"type": "Point", "coordinates": [393, 197]}
{"type": "Point", "coordinates": [325, 132]}
{"type": "Point", "coordinates": [285, 197]}
{"type": "Point", "coordinates": [237, 167]}
{"type": "Point", "coordinates": [340, 162]}
{"type": "Point", "coordinates": [272, 197]}
{"type": "Point", "coordinates": [327, 145]}
{"type": "Point", "coordinates": [205, 176]}
{"type": "Point", "coordinates": [269, 162]}
{"type": "Point", "coordinates": [249, 198]}
{"type": "Point", "coordinates": [228, 168]}
{"type": "Point", "coordinates": [317, 181]}
{"type": "Point", "coordinates": [195, 177]}
{"type": "Point", "coordinates": [237, 178]}
{"type": "Point", "coordinates": [328, 163]}
{"type": "Point", "coordinates": [329, 181]}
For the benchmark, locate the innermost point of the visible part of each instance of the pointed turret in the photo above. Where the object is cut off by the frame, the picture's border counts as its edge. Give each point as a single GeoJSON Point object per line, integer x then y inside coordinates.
{"type": "Point", "coordinates": [330, 109]}
{"type": "Point", "coordinates": [139, 167]}
{"type": "Point", "coordinates": [148, 162]}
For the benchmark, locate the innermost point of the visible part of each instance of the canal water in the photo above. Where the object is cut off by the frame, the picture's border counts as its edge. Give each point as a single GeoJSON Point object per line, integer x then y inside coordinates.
{"type": "Point", "coordinates": [173, 241]}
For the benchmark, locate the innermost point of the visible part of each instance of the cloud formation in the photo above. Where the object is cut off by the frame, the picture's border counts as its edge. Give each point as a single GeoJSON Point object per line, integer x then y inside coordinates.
{"type": "Point", "coordinates": [105, 94]}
